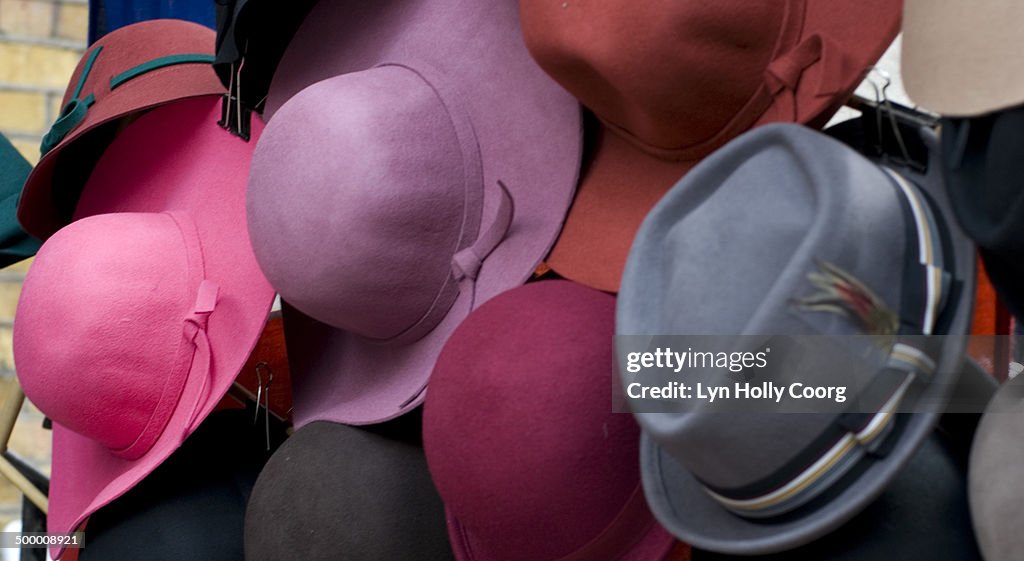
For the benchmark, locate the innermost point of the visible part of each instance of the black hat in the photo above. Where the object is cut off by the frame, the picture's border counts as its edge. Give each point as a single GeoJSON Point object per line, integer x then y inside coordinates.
{"type": "Point", "coordinates": [984, 161]}
{"type": "Point", "coordinates": [339, 492]}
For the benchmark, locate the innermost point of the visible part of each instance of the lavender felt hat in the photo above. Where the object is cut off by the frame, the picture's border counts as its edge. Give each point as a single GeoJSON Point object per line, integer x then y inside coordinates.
{"type": "Point", "coordinates": [421, 165]}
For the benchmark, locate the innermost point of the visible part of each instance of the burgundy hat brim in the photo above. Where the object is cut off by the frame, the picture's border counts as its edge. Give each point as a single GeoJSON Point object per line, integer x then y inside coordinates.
{"type": "Point", "coordinates": [654, 545]}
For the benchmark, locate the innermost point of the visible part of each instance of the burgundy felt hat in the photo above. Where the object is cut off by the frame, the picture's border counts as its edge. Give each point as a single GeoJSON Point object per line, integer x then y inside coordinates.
{"type": "Point", "coordinates": [421, 164]}
{"type": "Point", "coordinates": [672, 81]}
{"type": "Point", "coordinates": [131, 69]}
{"type": "Point", "coordinates": [135, 319]}
{"type": "Point", "coordinates": [529, 459]}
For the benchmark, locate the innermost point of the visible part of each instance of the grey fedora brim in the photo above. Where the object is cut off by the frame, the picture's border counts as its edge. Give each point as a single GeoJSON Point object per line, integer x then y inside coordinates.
{"type": "Point", "coordinates": [921, 515]}
{"type": "Point", "coordinates": [681, 503]}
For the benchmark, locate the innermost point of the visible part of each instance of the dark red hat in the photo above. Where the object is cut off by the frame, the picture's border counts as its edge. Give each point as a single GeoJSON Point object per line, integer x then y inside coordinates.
{"type": "Point", "coordinates": [529, 459]}
{"type": "Point", "coordinates": [672, 81]}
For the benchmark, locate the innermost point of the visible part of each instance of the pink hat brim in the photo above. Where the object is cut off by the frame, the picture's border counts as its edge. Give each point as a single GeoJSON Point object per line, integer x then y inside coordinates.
{"type": "Point", "coordinates": [173, 158]}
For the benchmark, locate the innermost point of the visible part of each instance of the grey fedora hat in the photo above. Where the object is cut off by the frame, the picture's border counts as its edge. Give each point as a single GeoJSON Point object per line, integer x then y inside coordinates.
{"type": "Point", "coordinates": [923, 512]}
{"type": "Point", "coordinates": [995, 488]}
{"type": "Point", "coordinates": [787, 232]}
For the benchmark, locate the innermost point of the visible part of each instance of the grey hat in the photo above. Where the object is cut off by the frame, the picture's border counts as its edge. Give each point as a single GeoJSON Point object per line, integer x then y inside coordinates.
{"type": "Point", "coordinates": [995, 487]}
{"type": "Point", "coordinates": [770, 236]}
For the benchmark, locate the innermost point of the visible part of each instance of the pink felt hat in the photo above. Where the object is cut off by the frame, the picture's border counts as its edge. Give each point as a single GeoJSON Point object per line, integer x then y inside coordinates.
{"type": "Point", "coordinates": [529, 459]}
{"type": "Point", "coordinates": [421, 165]}
{"type": "Point", "coordinates": [135, 319]}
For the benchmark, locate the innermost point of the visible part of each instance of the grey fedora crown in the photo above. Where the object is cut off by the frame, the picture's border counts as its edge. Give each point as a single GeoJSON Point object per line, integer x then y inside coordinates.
{"type": "Point", "coordinates": [727, 252]}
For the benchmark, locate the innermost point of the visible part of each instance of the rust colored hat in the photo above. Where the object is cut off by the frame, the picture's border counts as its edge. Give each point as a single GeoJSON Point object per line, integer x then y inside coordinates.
{"type": "Point", "coordinates": [672, 81]}
{"type": "Point", "coordinates": [136, 67]}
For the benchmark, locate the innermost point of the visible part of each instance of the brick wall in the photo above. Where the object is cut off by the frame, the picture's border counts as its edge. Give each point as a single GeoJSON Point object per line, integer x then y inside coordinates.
{"type": "Point", "coordinates": [40, 44]}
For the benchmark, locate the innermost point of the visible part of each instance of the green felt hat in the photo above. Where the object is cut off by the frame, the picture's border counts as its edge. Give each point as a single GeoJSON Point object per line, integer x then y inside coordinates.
{"type": "Point", "coordinates": [15, 244]}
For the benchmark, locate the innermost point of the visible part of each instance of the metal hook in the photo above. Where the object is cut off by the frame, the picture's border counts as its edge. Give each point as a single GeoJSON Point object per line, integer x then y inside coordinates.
{"type": "Point", "coordinates": [887, 80]}
{"type": "Point", "coordinates": [879, 93]}
{"type": "Point", "coordinates": [883, 102]}
{"type": "Point", "coordinates": [259, 392]}
{"type": "Point", "coordinates": [238, 98]}
{"type": "Point", "coordinates": [225, 111]}
{"type": "Point", "coordinates": [266, 398]}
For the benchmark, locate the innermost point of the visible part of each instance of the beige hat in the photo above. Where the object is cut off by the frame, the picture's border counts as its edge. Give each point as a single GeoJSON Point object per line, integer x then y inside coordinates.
{"type": "Point", "coordinates": [994, 483]}
{"type": "Point", "coordinates": [963, 58]}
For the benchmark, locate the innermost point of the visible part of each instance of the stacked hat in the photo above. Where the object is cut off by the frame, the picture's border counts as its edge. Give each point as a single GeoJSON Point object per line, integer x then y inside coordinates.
{"type": "Point", "coordinates": [922, 514]}
{"type": "Point", "coordinates": [960, 60]}
{"type": "Point", "coordinates": [192, 505]}
{"type": "Point", "coordinates": [159, 302]}
{"type": "Point", "coordinates": [338, 492]}
{"type": "Point", "coordinates": [529, 459]}
{"type": "Point", "coordinates": [820, 242]}
{"type": "Point", "coordinates": [399, 185]}
{"type": "Point", "coordinates": [121, 75]}
{"type": "Point", "coordinates": [15, 244]}
{"type": "Point", "coordinates": [995, 490]}
{"type": "Point", "coordinates": [672, 82]}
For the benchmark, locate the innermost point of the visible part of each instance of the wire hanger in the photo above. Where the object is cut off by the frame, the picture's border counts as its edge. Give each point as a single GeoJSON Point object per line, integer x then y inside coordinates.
{"type": "Point", "coordinates": [892, 128]}
{"type": "Point", "coordinates": [235, 116]}
{"type": "Point", "coordinates": [260, 402]}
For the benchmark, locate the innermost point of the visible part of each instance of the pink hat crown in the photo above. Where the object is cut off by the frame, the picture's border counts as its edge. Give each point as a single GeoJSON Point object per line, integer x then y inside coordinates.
{"type": "Point", "coordinates": [111, 323]}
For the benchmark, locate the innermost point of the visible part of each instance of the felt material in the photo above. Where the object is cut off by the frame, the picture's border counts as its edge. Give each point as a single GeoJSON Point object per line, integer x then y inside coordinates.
{"type": "Point", "coordinates": [791, 197]}
{"type": "Point", "coordinates": [109, 15]}
{"type": "Point", "coordinates": [339, 492]}
{"type": "Point", "coordinates": [135, 319]}
{"type": "Point", "coordinates": [983, 159]}
{"type": "Point", "coordinates": [882, 145]}
{"type": "Point", "coordinates": [921, 515]}
{"type": "Point", "coordinates": [15, 244]}
{"type": "Point", "coordinates": [675, 81]}
{"type": "Point", "coordinates": [47, 204]}
{"type": "Point", "coordinates": [960, 58]}
{"type": "Point", "coordinates": [380, 254]}
{"type": "Point", "coordinates": [251, 38]}
{"type": "Point", "coordinates": [193, 505]}
{"type": "Point", "coordinates": [994, 478]}
{"type": "Point", "coordinates": [520, 438]}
